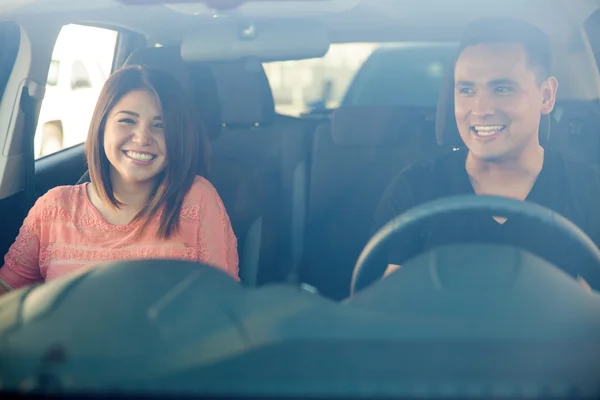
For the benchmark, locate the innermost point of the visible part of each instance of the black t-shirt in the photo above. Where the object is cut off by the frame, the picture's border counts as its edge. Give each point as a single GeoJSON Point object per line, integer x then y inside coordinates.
{"type": "Point", "coordinates": [566, 186]}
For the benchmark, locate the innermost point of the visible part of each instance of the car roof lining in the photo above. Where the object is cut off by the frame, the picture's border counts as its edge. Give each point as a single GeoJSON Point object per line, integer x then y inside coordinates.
{"type": "Point", "coordinates": [370, 21]}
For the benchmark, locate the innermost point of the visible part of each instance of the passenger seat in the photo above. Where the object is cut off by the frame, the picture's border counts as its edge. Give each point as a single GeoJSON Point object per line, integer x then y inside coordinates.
{"type": "Point", "coordinates": [199, 83]}
{"type": "Point", "coordinates": [259, 165]}
{"type": "Point", "coordinates": [354, 158]}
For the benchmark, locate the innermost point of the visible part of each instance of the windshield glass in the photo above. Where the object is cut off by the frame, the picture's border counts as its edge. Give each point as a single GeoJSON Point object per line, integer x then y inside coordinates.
{"type": "Point", "coordinates": [283, 199]}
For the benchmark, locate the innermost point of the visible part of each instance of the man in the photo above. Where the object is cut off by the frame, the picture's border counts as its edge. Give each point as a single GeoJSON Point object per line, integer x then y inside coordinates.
{"type": "Point", "coordinates": [503, 88]}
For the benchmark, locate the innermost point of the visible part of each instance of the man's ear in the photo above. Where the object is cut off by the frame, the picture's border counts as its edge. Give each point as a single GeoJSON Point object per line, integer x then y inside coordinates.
{"type": "Point", "coordinates": [549, 89]}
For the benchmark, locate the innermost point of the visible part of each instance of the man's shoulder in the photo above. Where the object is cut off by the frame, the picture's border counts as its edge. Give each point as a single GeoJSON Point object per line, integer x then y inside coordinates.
{"type": "Point", "coordinates": [430, 171]}
{"type": "Point", "coordinates": [576, 171]}
{"type": "Point", "coordinates": [417, 183]}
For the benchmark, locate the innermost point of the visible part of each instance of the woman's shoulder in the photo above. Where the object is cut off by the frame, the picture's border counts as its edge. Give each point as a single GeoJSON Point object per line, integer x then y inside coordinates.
{"type": "Point", "coordinates": [58, 198]}
{"type": "Point", "coordinates": [202, 194]}
{"type": "Point", "coordinates": [62, 195]}
{"type": "Point", "coordinates": [200, 190]}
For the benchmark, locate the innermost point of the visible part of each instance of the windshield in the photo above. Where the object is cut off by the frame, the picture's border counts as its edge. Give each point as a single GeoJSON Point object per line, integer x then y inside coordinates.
{"type": "Point", "coordinates": [301, 198]}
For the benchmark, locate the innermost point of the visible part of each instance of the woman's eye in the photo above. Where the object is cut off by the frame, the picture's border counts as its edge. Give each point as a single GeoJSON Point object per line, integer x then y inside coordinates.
{"type": "Point", "coordinates": [127, 121]}
{"type": "Point", "coordinates": [158, 125]}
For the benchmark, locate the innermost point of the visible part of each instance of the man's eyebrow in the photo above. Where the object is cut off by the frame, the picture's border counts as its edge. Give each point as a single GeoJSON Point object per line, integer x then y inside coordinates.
{"type": "Point", "coordinates": [133, 114]}
{"type": "Point", "coordinates": [465, 83]}
{"type": "Point", "coordinates": [503, 81]}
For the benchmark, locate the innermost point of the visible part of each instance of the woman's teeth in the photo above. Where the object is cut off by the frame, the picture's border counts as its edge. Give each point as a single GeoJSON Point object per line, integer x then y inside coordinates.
{"type": "Point", "coordinates": [487, 130]}
{"type": "Point", "coordinates": [140, 156]}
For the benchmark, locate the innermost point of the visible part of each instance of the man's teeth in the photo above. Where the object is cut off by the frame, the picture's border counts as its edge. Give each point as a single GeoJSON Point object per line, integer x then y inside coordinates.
{"type": "Point", "coordinates": [140, 156]}
{"type": "Point", "coordinates": [487, 130]}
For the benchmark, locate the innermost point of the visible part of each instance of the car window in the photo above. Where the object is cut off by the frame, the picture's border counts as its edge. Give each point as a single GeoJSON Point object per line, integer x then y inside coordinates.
{"type": "Point", "coordinates": [592, 29]}
{"type": "Point", "coordinates": [80, 77]}
{"type": "Point", "coordinates": [361, 74]}
{"type": "Point", "coordinates": [401, 75]}
{"type": "Point", "coordinates": [53, 73]}
{"type": "Point", "coordinates": [306, 85]}
{"type": "Point", "coordinates": [81, 62]}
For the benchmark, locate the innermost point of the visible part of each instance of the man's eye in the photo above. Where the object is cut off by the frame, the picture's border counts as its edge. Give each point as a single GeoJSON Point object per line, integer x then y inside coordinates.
{"type": "Point", "coordinates": [465, 91]}
{"type": "Point", "coordinates": [158, 125]}
{"type": "Point", "coordinates": [504, 89]}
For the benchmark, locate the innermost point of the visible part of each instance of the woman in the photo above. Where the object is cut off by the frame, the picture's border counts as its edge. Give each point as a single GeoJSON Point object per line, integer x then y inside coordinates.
{"type": "Point", "coordinates": [145, 199]}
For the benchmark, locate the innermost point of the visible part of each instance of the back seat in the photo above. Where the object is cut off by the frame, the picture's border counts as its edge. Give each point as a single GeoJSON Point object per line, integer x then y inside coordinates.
{"type": "Point", "coordinates": [354, 158]}
{"type": "Point", "coordinates": [260, 167]}
{"type": "Point", "coordinates": [575, 131]}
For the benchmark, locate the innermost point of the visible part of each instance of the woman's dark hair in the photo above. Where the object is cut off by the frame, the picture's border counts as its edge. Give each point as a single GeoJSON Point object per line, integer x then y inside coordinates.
{"type": "Point", "coordinates": [185, 137]}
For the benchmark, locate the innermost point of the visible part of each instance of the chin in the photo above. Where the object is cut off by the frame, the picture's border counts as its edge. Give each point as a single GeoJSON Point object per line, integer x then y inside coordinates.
{"type": "Point", "coordinates": [490, 156]}
{"type": "Point", "coordinates": [138, 179]}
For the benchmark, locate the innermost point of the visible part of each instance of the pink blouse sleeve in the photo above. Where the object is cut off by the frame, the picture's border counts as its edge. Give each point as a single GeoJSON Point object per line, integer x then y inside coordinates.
{"type": "Point", "coordinates": [217, 242]}
{"type": "Point", "coordinates": [21, 263]}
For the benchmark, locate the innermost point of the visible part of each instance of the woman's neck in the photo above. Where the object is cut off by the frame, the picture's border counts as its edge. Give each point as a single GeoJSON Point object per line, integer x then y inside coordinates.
{"type": "Point", "coordinates": [132, 196]}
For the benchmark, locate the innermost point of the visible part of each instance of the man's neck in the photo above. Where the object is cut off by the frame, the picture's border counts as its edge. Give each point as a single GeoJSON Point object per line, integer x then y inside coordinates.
{"type": "Point", "coordinates": [523, 167]}
{"type": "Point", "coordinates": [513, 178]}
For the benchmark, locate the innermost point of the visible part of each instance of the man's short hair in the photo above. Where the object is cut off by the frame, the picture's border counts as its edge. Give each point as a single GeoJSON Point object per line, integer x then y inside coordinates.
{"type": "Point", "coordinates": [536, 43]}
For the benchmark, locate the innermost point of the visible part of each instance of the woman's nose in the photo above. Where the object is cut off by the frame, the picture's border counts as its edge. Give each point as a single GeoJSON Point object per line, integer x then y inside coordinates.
{"type": "Point", "coordinates": [142, 135]}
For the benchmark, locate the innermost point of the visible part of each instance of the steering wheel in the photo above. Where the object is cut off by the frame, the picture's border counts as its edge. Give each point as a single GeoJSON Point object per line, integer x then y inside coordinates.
{"type": "Point", "coordinates": [367, 266]}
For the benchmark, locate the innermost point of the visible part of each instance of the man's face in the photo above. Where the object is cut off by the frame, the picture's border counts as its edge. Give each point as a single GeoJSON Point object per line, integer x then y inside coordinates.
{"type": "Point", "coordinates": [498, 100]}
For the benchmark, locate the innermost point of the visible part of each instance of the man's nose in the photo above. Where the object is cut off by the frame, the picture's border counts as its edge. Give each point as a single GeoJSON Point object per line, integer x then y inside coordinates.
{"type": "Point", "coordinates": [483, 105]}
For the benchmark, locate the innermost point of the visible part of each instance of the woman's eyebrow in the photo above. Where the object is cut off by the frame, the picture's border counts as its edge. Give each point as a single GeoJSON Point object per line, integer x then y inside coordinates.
{"type": "Point", "coordinates": [133, 114]}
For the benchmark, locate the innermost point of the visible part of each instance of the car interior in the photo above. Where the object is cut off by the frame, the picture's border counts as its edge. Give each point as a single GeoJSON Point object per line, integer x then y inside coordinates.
{"type": "Point", "coordinates": [301, 191]}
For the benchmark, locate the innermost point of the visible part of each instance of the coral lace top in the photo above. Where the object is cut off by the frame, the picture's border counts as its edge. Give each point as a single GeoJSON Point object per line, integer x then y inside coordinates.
{"type": "Point", "coordinates": [64, 232]}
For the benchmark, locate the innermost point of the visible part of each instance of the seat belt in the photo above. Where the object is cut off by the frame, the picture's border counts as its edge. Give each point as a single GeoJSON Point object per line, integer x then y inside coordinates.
{"type": "Point", "coordinates": [29, 106]}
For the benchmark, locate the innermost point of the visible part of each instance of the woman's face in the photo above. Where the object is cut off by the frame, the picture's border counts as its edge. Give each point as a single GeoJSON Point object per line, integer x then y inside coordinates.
{"type": "Point", "coordinates": [134, 141]}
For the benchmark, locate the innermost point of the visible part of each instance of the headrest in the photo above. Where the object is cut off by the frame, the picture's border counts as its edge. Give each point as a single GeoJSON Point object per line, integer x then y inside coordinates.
{"type": "Point", "coordinates": [373, 125]}
{"type": "Point", "coordinates": [197, 80]}
{"type": "Point", "coordinates": [446, 130]}
{"type": "Point", "coordinates": [166, 59]}
{"type": "Point", "coordinates": [245, 93]}
{"type": "Point", "coordinates": [205, 96]}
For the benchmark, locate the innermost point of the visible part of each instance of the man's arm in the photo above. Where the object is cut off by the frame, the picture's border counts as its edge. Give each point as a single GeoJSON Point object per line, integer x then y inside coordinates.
{"type": "Point", "coordinates": [398, 198]}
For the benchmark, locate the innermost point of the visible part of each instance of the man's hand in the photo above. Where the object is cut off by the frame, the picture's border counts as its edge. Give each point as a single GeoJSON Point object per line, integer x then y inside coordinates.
{"type": "Point", "coordinates": [391, 268]}
{"type": "Point", "coordinates": [584, 284]}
